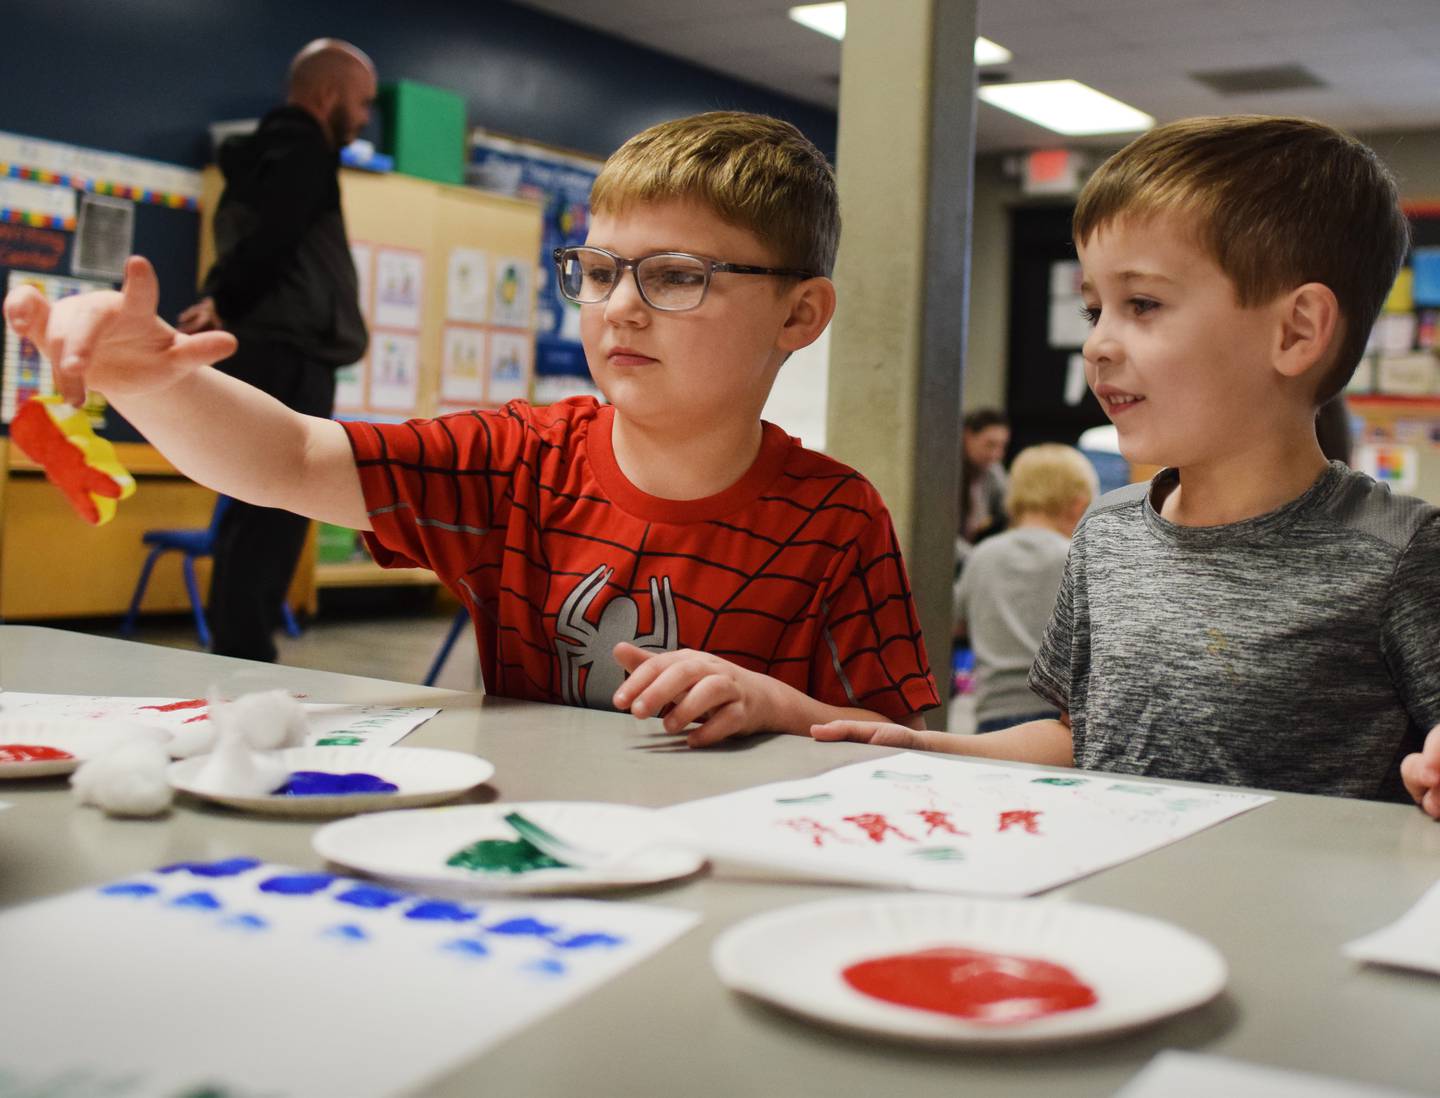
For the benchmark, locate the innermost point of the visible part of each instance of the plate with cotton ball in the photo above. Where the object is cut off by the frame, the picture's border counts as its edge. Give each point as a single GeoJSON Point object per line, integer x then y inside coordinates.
{"type": "Point", "coordinates": [38, 747]}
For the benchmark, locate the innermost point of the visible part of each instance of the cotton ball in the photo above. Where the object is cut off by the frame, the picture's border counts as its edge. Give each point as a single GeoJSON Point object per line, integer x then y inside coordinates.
{"type": "Point", "coordinates": [127, 780]}
{"type": "Point", "coordinates": [193, 739]}
{"type": "Point", "coordinates": [235, 769]}
{"type": "Point", "coordinates": [268, 720]}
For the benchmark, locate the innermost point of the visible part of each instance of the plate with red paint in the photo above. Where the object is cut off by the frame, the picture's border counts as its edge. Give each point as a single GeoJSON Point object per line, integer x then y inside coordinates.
{"type": "Point", "coordinates": [341, 781]}
{"type": "Point", "coordinates": [464, 849]}
{"type": "Point", "coordinates": [953, 971]}
{"type": "Point", "coordinates": [34, 747]}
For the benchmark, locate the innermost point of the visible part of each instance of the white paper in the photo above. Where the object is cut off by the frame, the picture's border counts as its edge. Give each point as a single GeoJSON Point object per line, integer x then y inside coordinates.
{"type": "Point", "coordinates": [947, 825]}
{"type": "Point", "coordinates": [331, 724]}
{"type": "Point", "coordinates": [259, 979]}
{"type": "Point", "coordinates": [467, 287]}
{"type": "Point", "coordinates": [1412, 941]}
{"type": "Point", "coordinates": [364, 257]}
{"type": "Point", "coordinates": [463, 365]}
{"type": "Point", "coordinates": [512, 295]}
{"type": "Point", "coordinates": [394, 371]}
{"type": "Point", "coordinates": [399, 288]}
{"type": "Point", "coordinates": [1174, 1074]}
{"type": "Point", "coordinates": [509, 367]}
{"type": "Point", "coordinates": [350, 386]}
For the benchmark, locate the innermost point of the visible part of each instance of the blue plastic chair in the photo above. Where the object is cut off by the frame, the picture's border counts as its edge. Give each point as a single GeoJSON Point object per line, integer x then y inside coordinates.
{"type": "Point", "coordinates": [462, 619]}
{"type": "Point", "coordinates": [194, 544]}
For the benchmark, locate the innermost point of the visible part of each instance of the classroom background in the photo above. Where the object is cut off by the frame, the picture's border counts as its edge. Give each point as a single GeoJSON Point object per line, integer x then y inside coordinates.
{"type": "Point", "coordinates": [492, 121]}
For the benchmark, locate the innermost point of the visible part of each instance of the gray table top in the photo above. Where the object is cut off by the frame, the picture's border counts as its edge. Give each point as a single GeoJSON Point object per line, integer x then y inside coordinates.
{"type": "Point", "coordinates": [1277, 890]}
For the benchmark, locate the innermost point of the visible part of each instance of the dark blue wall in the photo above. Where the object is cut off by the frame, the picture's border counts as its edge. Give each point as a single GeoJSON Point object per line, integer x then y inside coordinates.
{"type": "Point", "coordinates": [145, 77]}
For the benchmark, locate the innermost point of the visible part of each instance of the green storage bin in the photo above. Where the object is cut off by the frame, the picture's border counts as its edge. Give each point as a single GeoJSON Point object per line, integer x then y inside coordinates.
{"type": "Point", "coordinates": [336, 544]}
{"type": "Point", "coordinates": [424, 130]}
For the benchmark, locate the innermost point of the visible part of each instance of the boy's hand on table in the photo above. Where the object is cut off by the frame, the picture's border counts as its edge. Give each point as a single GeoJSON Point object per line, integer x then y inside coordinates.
{"type": "Point", "coordinates": [1421, 774]}
{"type": "Point", "coordinates": [885, 735]}
{"type": "Point", "coordinates": [723, 698]}
{"type": "Point", "coordinates": [112, 342]}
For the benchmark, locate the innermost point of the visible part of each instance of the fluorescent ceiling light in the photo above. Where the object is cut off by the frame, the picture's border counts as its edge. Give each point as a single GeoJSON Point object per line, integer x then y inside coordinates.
{"type": "Point", "coordinates": [1066, 106]}
{"type": "Point", "coordinates": [830, 19]}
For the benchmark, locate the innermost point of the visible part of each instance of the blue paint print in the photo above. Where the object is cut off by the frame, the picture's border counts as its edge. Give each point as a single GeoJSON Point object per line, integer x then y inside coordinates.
{"type": "Point", "coordinates": [524, 926]}
{"type": "Point", "coordinates": [246, 922]}
{"type": "Point", "coordinates": [441, 911]}
{"type": "Point", "coordinates": [202, 900]}
{"type": "Point", "coordinates": [468, 947]}
{"type": "Point", "coordinates": [348, 932]}
{"type": "Point", "coordinates": [547, 967]}
{"type": "Point", "coordinates": [298, 884]}
{"type": "Point", "coordinates": [590, 941]}
{"type": "Point", "coordinates": [370, 896]}
{"type": "Point", "coordinates": [129, 888]}
{"type": "Point", "coordinates": [230, 867]}
{"type": "Point", "coordinates": [321, 783]}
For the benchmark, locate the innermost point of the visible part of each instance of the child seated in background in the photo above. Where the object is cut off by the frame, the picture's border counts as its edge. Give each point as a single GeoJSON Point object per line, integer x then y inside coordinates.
{"type": "Point", "coordinates": [741, 582]}
{"type": "Point", "coordinates": [1006, 594]}
{"type": "Point", "coordinates": [1255, 615]}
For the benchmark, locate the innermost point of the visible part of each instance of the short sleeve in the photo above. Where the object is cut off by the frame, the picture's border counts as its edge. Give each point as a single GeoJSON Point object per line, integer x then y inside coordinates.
{"type": "Point", "coordinates": [1410, 638]}
{"type": "Point", "coordinates": [436, 489]}
{"type": "Point", "coordinates": [872, 654]}
{"type": "Point", "coordinates": [1053, 671]}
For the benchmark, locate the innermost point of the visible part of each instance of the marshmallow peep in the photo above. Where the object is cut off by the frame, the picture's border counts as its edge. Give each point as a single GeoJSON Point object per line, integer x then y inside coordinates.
{"type": "Point", "coordinates": [126, 780]}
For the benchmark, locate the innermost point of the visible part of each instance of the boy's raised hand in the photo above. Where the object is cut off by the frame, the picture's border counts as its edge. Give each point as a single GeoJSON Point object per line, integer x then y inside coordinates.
{"type": "Point", "coordinates": [1421, 774]}
{"type": "Point", "coordinates": [726, 699]}
{"type": "Point", "coordinates": [112, 342]}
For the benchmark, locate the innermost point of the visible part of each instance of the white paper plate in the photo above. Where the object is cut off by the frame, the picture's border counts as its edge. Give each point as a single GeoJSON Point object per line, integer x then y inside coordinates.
{"type": "Point", "coordinates": [425, 775]}
{"type": "Point", "coordinates": [1141, 969]}
{"type": "Point", "coordinates": [80, 739]}
{"type": "Point", "coordinates": [412, 848]}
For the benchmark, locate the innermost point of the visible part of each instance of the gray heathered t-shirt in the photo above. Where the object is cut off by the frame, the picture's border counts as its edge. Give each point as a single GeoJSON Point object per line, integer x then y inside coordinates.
{"type": "Point", "coordinates": [1005, 596]}
{"type": "Point", "coordinates": [1299, 650]}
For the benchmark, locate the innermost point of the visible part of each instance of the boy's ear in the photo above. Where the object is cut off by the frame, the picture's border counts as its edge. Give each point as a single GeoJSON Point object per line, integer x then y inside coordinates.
{"type": "Point", "coordinates": [1309, 318]}
{"type": "Point", "coordinates": [812, 304]}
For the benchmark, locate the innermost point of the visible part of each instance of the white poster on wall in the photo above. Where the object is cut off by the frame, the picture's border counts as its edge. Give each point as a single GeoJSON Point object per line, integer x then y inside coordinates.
{"type": "Point", "coordinates": [513, 292]}
{"type": "Point", "coordinates": [394, 371]}
{"type": "Point", "coordinates": [509, 372]}
{"type": "Point", "coordinates": [467, 287]}
{"type": "Point", "coordinates": [462, 369]}
{"type": "Point", "coordinates": [399, 288]}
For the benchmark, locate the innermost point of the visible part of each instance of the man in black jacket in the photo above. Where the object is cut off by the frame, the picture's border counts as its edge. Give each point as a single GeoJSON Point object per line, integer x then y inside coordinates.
{"type": "Point", "coordinates": [285, 285]}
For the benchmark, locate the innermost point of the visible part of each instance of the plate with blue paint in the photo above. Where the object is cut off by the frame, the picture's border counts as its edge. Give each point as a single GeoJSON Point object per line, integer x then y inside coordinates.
{"type": "Point", "coordinates": [340, 781]}
{"type": "Point", "coordinates": [474, 848]}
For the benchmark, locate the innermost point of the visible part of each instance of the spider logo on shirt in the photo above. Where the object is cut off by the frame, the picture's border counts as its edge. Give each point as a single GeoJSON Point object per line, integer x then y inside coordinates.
{"type": "Point", "coordinates": [581, 646]}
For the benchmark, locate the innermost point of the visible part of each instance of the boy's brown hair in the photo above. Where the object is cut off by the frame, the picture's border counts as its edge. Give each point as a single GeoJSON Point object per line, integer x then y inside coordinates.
{"type": "Point", "coordinates": [753, 171]}
{"type": "Point", "coordinates": [1277, 202]}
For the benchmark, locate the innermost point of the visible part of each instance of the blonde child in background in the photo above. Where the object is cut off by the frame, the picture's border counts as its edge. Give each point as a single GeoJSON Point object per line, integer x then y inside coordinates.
{"type": "Point", "coordinates": [1006, 594]}
{"type": "Point", "coordinates": [667, 553]}
{"type": "Point", "coordinates": [1255, 615]}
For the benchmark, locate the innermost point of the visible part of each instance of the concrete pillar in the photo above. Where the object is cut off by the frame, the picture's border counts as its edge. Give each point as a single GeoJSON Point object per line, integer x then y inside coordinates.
{"type": "Point", "coordinates": [905, 164]}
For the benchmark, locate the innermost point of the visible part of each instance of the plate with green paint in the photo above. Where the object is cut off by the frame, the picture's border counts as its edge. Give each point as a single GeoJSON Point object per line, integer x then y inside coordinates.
{"type": "Point", "coordinates": [472, 848]}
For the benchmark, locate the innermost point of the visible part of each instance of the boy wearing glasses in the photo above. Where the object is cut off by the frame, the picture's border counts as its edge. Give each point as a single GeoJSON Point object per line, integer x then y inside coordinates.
{"type": "Point", "coordinates": [667, 553]}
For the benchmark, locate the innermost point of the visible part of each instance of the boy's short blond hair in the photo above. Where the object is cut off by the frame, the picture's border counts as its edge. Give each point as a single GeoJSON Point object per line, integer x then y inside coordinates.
{"type": "Point", "coordinates": [1047, 480]}
{"type": "Point", "coordinates": [753, 171]}
{"type": "Point", "coordinates": [1277, 202]}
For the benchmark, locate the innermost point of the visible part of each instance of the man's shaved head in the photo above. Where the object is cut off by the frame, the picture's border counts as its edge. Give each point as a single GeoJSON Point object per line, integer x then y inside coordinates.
{"type": "Point", "coordinates": [335, 82]}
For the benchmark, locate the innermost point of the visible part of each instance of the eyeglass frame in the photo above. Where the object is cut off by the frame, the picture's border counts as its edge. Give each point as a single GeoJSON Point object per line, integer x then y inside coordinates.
{"type": "Point", "coordinates": [712, 266]}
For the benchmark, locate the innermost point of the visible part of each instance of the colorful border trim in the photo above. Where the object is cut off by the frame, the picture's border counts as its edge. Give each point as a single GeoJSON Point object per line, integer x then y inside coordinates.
{"type": "Point", "coordinates": [36, 220]}
{"type": "Point", "coordinates": [97, 186]}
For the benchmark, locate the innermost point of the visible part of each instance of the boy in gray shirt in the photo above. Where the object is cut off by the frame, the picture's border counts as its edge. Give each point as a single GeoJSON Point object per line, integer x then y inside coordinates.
{"type": "Point", "coordinates": [1254, 615]}
{"type": "Point", "coordinates": [1006, 593]}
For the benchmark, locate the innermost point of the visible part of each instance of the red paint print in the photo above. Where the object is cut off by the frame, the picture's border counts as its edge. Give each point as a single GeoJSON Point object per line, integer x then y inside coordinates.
{"type": "Point", "coordinates": [992, 988]}
{"type": "Point", "coordinates": [814, 828]}
{"type": "Point", "coordinates": [201, 717]}
{"type": "Point", "coordinates": [1029, 819]}
{"type": "Point", "coordinates": [193, 703]}
{"type": "Point", "coordinates": [25, 752]}
{"type": "Point", "coordinates": [876, 826]}
{"type": "Point", "coordinates": [938, 821]}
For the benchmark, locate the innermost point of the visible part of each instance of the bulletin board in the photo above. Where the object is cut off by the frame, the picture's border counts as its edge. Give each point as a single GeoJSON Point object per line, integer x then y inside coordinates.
{"type": "Point", "coordinates": [447, 286]}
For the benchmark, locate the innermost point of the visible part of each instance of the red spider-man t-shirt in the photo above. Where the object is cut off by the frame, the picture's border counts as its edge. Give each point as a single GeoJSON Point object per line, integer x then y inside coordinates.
{"type": "Point", "coordinates": [524, 513]}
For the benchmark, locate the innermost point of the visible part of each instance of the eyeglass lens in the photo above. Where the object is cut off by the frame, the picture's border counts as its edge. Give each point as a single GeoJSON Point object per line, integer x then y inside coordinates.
{"type": "Point", "coordinates": [667, 281]}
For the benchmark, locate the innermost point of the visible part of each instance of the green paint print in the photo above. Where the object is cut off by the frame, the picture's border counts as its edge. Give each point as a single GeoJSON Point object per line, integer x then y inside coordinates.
{"type": "Point", "coordinates": [1138, 790]}
{"type": "Point", "coordinates": [897, 776]}
{"type": "Point", "coordinates": [502, 856]}
{"type": "Point", "coordinates": [938, 854]}
{"type": "Point", "coordinates": [814, 798]}
{"type": "Point", "coordinates": [1057, 781]}
{"type": "Point", "coordinates": [339, 741]}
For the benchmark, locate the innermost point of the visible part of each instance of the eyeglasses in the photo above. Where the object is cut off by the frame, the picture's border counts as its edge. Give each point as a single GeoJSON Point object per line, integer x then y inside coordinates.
{"type": "Point", "coordinates": [670, 281]}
